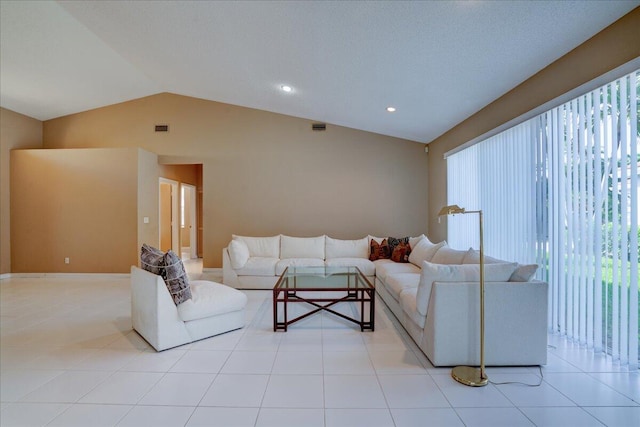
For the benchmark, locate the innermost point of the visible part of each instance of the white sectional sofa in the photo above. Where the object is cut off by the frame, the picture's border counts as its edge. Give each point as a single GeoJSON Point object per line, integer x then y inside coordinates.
{"type": "Point", "coordinates": [258, 262]}
{"type": "Point", "coordinates": [439, 307]}
{"type": "Point", "coordinates": [435, 296]}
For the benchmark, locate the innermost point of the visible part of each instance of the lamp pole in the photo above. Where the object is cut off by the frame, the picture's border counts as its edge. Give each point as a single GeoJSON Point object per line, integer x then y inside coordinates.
{"type": "Point", "coordinates": [468, 375]}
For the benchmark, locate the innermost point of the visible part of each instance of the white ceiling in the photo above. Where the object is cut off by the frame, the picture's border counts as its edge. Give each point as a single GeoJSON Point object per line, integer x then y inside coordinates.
{"type": "Point", "coordinates": [436, 62]}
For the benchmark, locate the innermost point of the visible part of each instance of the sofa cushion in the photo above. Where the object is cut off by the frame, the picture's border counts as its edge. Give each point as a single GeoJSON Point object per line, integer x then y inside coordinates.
{"type": "Point", "coordinates": [265, 247]}
{"type": "Point", "coordinates": [238, 253]}
{"type": "Point", "coordinates": [524, 273]}
{"type": "Point", "coordinates": [379, 250]}
{"type": "Point", "coordinates": [336, 248]}
{"type": "Point", "coordinates": [367, 267]}
{"type": "Point", "coordinates": [398, 282]}
{"type": "Point", "coordinates": [297, 262]}
{"type": "Point", "coordinates": [413, 241]}
{"type": "Point", "coordinates": [457, 273]}
{"type": "Point", "coordinates": [408, 303]}
{"type": "Point", "coordinates": [384, 267]}
{"type": "Point", "coordinates": [302, 247]}
{"type": "Point", "coordinates": [473, 257]}
{"type": "Point", "coordinates": [210, 299]}
{"type": "Point", "coordinates": [259, 266]}
{"type": "Point", "coordinates": [447, 255]}
{"type": "Point", "coordinates": [152, 260]}
{"type": "Point", "coordinates": [176, 278]}
{"type": "Point", "coordinates": [401, 252]}
{"type": "Point", "coordinates": [424, 251]}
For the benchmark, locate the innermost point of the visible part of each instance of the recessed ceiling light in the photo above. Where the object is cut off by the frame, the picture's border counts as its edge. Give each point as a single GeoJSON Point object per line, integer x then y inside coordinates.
{"type": "Point", "coordinates": [286, 88]}
{"type": "Point", "coordinates": [391, 109]}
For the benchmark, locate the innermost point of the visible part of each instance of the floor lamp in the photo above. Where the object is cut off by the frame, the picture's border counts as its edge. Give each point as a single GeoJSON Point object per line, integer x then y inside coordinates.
{"type": "Point", "coordinates": [468, 375]}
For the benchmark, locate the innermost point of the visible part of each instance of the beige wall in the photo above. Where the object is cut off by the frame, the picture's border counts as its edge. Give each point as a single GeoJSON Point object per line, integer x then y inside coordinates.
{"type": "Point", "coordinates": [81, 204]}
{"type": "Point", "coordinates": [148, 173]}
{"type": "Point", "coordinates": [166, 220]}
{"type": "Point", "coordinates": [266, 173]}
{"type": "Point", "coordinates": [16, 131]}
{"type": "Point", "coordinates": [609, 49]}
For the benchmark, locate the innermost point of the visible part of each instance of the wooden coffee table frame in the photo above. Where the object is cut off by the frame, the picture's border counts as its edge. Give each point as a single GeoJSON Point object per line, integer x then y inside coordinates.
{"type": "Point", "coordinates": [292, 295]}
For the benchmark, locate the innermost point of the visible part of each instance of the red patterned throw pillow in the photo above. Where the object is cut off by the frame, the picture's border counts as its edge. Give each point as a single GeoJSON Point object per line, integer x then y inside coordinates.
{"type": "Point", "coordinates": [401, 252]}
{"type": "Point", "coordinates": [379, 250]}
{"type": "Point", "coordinates": [395, 241]}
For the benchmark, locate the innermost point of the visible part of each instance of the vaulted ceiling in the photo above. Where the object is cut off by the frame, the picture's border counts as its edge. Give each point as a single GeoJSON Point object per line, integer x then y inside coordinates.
{"type": "Point", "coordinates": [437, 63]}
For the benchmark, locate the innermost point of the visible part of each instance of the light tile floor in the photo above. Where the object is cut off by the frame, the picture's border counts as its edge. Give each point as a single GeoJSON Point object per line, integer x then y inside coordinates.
{"type": "Point", "coordinates": [68, 357]}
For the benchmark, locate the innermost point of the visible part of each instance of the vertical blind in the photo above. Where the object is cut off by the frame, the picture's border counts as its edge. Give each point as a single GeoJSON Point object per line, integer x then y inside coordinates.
{"type": "Point", "coordinates": [498, 176]}
{"type": "Point", "coordinates": [562, 190]}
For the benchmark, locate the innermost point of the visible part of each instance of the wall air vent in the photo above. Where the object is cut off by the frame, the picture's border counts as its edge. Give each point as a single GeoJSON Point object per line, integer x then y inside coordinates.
{"type": "Point", "coordinates": [162, 128]}
{"type": "Point", "coordinates": [319, 126]}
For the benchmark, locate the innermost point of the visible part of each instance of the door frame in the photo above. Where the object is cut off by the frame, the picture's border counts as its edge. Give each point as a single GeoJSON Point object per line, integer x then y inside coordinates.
{"type": "Point", "coordinates": [175, 214]}
{"type": "Point", "coordinates": [193, 240]}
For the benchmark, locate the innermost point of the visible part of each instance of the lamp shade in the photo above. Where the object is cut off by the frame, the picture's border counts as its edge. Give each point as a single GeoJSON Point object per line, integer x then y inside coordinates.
{"type": "Point", "coordinates": [451, 210]}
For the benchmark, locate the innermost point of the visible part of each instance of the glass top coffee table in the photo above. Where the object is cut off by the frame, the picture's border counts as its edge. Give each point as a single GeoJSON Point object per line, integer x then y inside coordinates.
{"type": "Point", "coordinates": [322, 288]}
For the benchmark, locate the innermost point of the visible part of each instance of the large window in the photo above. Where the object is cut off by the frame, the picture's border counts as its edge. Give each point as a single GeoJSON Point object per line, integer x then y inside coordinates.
{"type": "Point", "coordinates": [562, 190]}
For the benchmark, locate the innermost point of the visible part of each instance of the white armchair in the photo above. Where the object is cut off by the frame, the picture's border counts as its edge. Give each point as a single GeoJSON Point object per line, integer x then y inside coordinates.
{"type": "Point", "coordinates": [213, 309]}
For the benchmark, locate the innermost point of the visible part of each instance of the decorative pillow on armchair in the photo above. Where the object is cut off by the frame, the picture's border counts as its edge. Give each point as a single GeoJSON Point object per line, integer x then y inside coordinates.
{"type": "Point", "coordinates": [152, 260]}
{"type": "Point", "coordinates": [168, 266]}
{"type": "Point", "coordinates": [176, 278]}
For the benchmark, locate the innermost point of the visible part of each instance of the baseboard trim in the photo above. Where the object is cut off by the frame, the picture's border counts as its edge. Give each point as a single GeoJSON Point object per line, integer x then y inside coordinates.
{"type": "Point", "coordinates": [64, 275]}
{"type": "Point", "coordinates": [212, 271]}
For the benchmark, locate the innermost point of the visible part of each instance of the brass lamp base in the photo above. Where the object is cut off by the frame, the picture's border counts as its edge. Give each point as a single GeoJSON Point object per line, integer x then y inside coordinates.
{"type": "Point", "coordinates": [468, 375]}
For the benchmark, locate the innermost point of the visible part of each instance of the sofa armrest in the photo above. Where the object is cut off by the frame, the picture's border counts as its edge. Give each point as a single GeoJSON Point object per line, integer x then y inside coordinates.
{"type": "Point", "coordinates": [153, 313]}
{"type": "Point", "coordinates": [515, 323]}
{"type": "Point", "coordinates": [229, 276]}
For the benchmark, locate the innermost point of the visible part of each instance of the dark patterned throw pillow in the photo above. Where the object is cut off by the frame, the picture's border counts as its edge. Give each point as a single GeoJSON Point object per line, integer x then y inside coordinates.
{"type": "Point", "coordinates": [401, 252]}
{"type": "Point", "coordinates": [168, 266]}
{"type": "Point", "coordinates": [395, 241]}
{"type": "Point", "coordinates": [379, 250]}
{"type": "Point", "coordinates": [176, 278]}
{"type": "Point", "coordinates": [152, 260]}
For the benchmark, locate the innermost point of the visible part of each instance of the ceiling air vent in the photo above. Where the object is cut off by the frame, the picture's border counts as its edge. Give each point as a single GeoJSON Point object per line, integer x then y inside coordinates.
{"type": "Point", "coordinates": [162, 128]}
{"type": "Point", "coordinates": [319, 126]}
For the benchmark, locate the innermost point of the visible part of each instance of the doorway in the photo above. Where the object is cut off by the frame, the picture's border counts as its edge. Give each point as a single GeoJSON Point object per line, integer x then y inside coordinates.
{"type": "Point", "coordinates": [169, 202]}
{"type": "Point", "coordinates": [188, 222]}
